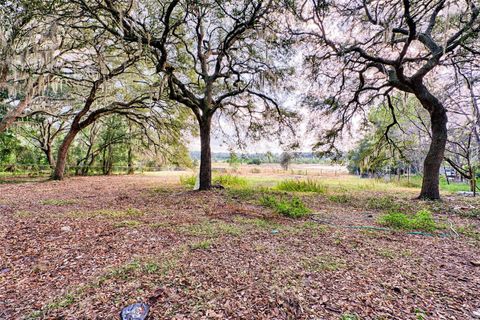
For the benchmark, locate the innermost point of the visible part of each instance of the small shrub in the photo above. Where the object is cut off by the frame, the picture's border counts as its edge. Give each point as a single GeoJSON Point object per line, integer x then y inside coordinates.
{"type": "Point", "coordinates": [349, 316]}
{"type": "Point", "coordinates": [422, 220]}
{"type": "Point", "coordinates": [294, 208]}
{"type": "Point", "coordinates": [301, 186]}
{"type": "Point", "coordinates": [339, 198]}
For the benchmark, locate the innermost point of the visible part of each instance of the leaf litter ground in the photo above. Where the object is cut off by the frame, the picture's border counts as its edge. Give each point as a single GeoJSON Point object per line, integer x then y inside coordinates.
{"type": "Point", "coordinates": [85, 247]}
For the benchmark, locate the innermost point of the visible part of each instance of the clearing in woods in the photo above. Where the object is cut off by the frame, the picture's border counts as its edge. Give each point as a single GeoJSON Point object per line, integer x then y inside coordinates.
{"type": "Point", "coordinates": [85, 247]}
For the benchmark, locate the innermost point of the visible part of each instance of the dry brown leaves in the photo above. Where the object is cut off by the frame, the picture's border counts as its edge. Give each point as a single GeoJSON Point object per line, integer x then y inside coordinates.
{"type": "Point", "coordinates": [72, 250]}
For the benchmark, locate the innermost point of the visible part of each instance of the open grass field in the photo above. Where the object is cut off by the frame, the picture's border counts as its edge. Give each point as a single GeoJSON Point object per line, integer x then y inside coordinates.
{"type": "Point", "coordinates": [309, 243]}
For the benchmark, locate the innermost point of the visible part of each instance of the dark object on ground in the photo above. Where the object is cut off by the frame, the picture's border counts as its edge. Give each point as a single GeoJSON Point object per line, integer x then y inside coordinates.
{"type": "Point", "coordinates": [136, 311]}
{"type": "Point", "coordinates": [218, 186]}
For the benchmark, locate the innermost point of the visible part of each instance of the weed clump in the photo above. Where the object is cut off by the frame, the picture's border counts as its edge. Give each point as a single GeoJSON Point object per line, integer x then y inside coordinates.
{"type": "Point", "coordinates": [301, 186]}
{"type": "Point", "coordinates": [293, 208]}
{"type": "Point", "coordinates": [422, 220]}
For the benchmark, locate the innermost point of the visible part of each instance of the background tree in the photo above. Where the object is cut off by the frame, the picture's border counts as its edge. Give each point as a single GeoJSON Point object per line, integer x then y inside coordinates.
{"type": "Point", "coordinates": [213, 57]}
{"type": "Point", "coordinates": [382, 47]}
{"type": "Point", "coordinates": [30, 42]}
{"type": "Point", "coordinates": [41, 130]}
{"type": "Point", "coordinates": [285, 160]}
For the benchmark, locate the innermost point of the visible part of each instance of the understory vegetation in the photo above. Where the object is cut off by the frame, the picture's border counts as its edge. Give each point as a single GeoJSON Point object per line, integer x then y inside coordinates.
{"type": "Point", "coordinates": [301, 186]}
{"type": "Point", "coordinates": [422, 220]}
{"type": "Point", "coordinates": [293, 208]}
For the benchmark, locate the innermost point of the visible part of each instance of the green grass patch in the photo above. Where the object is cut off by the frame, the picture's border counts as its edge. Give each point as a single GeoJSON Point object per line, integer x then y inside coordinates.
{"type": "Point", "coordinates": [323, 263]}
{"type": "Point", "coordinates": [293, 208]}
{"type": "Point", "coordinates": [226, 180]}
{"type": "Point", "coordinates": [202, 245]}
{"type": "Point", "coordinates": [422, 220]}
{"type": "Point", "coordinates": [339, 198]}
{"type": "Point", "coordinates": [22, 214]}
{"type": "Point", "coordinates": [349, 316]}
{"type": "Point", "coordinates": [308, 185]}
{"type": "Point", "coordinates": [136, 268]}
{"type": "Point", "coordinates": [58, 202]}
{"type": "Point", "coordinates": [188, 181]}
{"type": "Point", "coordinates": [309, 225]}
{"type": "Point", "coordinates": [469, 231]}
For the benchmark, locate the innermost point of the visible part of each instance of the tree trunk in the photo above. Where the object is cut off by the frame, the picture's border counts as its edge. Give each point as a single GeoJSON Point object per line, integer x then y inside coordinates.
{"type": "Point", "coordinates": [130, 169]}
{"type": "Point", "coordinates": [59, 172]}
{"type": "Point", "coordinates": [205, 154]}
{"type": "Point", "coordinates": [48, 154]}
{"type": "Point", "coordinates": [433, 161]}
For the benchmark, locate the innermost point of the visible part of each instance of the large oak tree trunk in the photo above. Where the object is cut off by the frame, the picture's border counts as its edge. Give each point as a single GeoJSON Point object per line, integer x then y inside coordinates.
{"type": "Point", "coordinates": [59, 172]}
{"type": "Point", "coordinates": [205, 154]}
{"type": "Point", "coordinates": [433, 161]}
